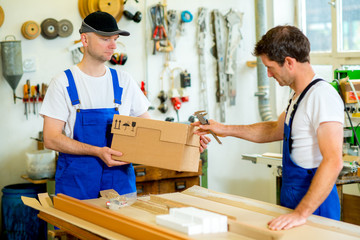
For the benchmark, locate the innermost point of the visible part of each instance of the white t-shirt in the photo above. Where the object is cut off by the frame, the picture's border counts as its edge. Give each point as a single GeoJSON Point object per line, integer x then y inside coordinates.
{"type": "Point", "coordinates": [320, 104]}
{"type": "Point", "coordinates": [93, 92]}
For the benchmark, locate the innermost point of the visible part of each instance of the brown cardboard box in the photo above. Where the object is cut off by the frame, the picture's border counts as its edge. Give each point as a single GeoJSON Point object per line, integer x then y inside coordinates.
{"type": "Point", "coordinates": [156, 143]}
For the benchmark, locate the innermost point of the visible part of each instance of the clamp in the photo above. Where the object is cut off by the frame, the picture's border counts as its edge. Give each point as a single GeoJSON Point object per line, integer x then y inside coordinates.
{"type": "Point", "coordinates": [200, 115]}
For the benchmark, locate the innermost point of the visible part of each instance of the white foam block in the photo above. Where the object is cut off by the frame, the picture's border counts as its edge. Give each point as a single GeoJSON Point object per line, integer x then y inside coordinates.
{"type": "Point", "coordinates": [179, 224]}
{"type": "Point", "coordinates": [210, 222]}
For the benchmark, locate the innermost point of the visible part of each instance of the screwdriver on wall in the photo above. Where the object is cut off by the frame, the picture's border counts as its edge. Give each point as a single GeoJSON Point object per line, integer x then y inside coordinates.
{"type": "Point", "coordinates": [33, 97]}
{"type": "Point", "coordinates": [25, 99]}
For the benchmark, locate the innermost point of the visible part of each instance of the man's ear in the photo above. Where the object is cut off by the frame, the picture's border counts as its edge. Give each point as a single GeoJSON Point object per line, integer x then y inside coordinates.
{"type": "Point", "coordinates": [290, 62]}
{"type": "Point", "coordinates": [84, 39]}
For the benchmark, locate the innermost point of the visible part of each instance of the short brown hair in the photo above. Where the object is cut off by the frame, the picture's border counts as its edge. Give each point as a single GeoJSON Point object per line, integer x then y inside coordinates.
{"type": "Point", "coordinates": [284, 41]}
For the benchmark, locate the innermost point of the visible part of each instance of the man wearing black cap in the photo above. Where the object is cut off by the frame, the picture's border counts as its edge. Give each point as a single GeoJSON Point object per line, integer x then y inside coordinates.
{"type": "Point", "coordinates": [78, 110]}
{"type": "Point", "coordinates": [80, 103]}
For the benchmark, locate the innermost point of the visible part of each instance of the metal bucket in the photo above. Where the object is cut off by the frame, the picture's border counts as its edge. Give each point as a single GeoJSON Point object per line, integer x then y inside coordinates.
{"type": "Point", "coordinates": [11, 60]}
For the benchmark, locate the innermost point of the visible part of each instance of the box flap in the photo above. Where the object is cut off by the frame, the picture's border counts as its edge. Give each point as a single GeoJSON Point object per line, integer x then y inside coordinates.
{"type": "Point", "coordinates": [169, 131]}
{"type": "Point", "coordinates": [193, 139]}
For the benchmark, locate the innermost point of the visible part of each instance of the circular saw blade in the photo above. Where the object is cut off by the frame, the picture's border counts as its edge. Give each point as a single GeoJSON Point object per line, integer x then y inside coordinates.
{"type": "Point", "coordinates": [65, 28]}
{"type": "Point", "coordinates": [49, 28]}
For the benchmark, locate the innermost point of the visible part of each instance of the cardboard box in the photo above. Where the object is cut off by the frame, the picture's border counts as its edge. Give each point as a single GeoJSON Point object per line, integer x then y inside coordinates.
{"type": "Point", "coordinates": [156, 143]}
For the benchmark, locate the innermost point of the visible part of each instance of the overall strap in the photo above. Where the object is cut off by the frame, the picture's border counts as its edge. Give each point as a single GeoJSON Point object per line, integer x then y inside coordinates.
{"type": "Point", "coordinates": [302, 96]}
{"type": "Point", "coordinates": [117, 89]}
{"type": "Point", "coordinates": [296, 106]}
{"type": "Point", "coordinates": [72, 91]}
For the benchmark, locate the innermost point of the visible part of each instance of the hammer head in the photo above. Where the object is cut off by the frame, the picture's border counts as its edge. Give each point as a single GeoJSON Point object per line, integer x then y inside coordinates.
{"type": "Point", "coordinates": [200, 115]}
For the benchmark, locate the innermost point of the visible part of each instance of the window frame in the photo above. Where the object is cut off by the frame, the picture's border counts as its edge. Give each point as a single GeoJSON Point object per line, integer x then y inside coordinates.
{"type": "Point", "coordinates": [335, 57]}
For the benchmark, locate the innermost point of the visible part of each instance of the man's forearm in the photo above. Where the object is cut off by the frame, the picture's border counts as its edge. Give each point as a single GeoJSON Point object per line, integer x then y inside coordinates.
{"type": "Point", "coordinates": [259, 132]}
{"type": "Point", "coordinates": [64, 144]}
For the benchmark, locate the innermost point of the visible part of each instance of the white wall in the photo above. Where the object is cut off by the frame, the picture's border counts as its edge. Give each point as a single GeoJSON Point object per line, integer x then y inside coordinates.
{"type": "Point", "coordinates": [227, 172]}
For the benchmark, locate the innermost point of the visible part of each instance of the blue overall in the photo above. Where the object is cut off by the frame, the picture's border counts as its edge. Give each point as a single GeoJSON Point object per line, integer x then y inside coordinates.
{"type": "Point", "coordinates": [83, 176]}
{"type": "Point", "coordinates": [296, 180]}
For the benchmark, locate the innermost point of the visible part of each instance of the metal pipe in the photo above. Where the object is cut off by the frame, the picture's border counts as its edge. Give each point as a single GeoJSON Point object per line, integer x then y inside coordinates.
{"type": "Point", "coordinates": [263, 81]}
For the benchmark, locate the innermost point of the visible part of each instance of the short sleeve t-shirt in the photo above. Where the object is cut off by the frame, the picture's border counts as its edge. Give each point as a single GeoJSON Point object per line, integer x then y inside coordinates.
{"type": "Point", "coordinates": [94, 93]}
{"type": "Point", "coordinates": [320, 104]}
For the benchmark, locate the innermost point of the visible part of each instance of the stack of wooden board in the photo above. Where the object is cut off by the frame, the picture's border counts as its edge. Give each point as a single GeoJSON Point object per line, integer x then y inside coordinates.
{"type": "Point", "coordinates": [247, 218]}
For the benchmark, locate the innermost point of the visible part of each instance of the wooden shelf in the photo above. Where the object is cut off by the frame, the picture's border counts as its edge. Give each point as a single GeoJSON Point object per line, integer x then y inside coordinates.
{"type": "Point", "coordinates": [41, 181]}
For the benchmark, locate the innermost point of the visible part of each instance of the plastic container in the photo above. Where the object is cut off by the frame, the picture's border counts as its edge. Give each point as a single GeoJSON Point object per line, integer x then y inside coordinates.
{"type": "Point", "coordinates": [20, 221]}
{"type": "Point", "coordinates": [40, 164]}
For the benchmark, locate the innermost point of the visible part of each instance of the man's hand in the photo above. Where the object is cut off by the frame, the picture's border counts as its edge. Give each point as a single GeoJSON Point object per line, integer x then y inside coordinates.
{"type": "Point", "coordinates": [287, 221]}
{"type": "Point", "coordinates": [218, 128]}
{"type": "Point", "coordinates": [106, 153]}
{"type": "Point", "coordinates": [204, 141]}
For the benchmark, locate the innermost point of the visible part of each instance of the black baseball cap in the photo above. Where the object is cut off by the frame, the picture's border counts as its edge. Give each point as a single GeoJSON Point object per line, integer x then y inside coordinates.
{"type": "Point", "coordinates": [101, 23]}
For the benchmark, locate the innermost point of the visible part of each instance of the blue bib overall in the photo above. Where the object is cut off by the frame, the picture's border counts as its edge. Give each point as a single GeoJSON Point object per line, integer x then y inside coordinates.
{"type": "Point", "coordinates": [82, 176]}
{"type": "Point", "coordinates": [296, 180]}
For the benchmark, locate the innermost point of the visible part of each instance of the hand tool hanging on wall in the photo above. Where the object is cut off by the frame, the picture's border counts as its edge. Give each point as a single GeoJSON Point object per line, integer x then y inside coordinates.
{"type": "Point", "coordinates": [26, 97]}
{"type": "Point", "coordinates": [201, 116]}
{"type": "Point", "coordinates": [186, 17]}
{"type": "Point", "coordinates": [201, 31]}
{"type": "Point", "coordinates": [43, 91]}
{"type": "Point", "coordinates": [185, 81]}
{"type": "Point", "coordinates": [174, 93]}
{"type": "Point", "coordinates": [234, 22]}
{"type": "Point", "coordinates": [33, 98]}
{"type": "Point", "coordinates": [172, 21]}
{"type": "Point", "coordinates": [162, 96]}
{"type": "Point", "coordinates": [219, 54]}
{"type": "Point", "coordinates": [159, 34]}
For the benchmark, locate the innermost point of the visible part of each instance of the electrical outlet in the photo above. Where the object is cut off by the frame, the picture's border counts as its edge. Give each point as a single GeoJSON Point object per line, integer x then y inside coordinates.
{"type": "Point", "coordinates": [29, 65]}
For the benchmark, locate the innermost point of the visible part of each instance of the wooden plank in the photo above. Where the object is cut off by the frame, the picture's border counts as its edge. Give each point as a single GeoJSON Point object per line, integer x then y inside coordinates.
{"type": "Point", "coordinates": [150, 206]}
{"type": "Point", "coordinates": [45, 200]}
{"type": "Point", "coordinates": [235, 201]}
{"type": "Point", "coordinates": [310, 230]}
{"type": "Point", "coordinates": [253, 232]}
{"type": "Point", "coordinates": [174, 204]}
{"type": "Point", "coordinates": [33, 203]}
{"type": "Point", "coordinates": [269, 209]}
{"type": "Point", "coordinates": [41, 181]}
{"type": "Point", "coordinates": [113, 221]}
{"type": "Point", "coordinates": [69, 228]}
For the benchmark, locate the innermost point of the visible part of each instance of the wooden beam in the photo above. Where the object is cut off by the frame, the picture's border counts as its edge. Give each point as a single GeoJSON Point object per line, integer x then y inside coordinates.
{"type": "Point", "coordinates": [174, 204]}
{"type": "Point", "coordinates": [69, 228]}
{"type": "Point", "coordinates": [150, 206]}
{"type": "Point", "coordinates": [252, 231]}
{"type": "Point", "coordinates": [114, 221]}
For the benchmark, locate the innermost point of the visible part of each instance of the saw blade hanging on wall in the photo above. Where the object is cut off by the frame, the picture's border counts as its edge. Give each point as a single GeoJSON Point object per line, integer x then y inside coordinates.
{"type": "Point", "coordinates": [49, 28]}
{"type": "Point", "coordinates": [65, 28]}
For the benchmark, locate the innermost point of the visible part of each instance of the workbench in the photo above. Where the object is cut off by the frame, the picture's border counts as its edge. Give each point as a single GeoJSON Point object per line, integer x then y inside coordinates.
{"type": "Point", "coordinates": [348, 175]}
{"type": "Point", "coordinates": [247, 218]}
